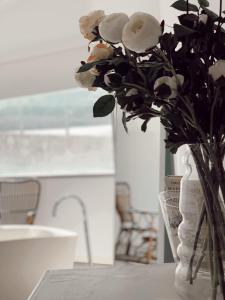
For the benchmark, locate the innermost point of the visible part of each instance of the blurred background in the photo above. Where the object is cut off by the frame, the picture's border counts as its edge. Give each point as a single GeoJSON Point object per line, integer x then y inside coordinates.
{"type": "Point", "coordinates": [48, 134]}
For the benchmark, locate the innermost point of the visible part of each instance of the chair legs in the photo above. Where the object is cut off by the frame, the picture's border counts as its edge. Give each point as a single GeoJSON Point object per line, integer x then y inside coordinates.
{"type": "Point", "coordinates": [136, 246]}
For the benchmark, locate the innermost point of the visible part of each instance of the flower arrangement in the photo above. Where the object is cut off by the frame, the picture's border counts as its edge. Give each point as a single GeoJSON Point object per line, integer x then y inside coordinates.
{"type": "Point", "coordinates": [178, 76]}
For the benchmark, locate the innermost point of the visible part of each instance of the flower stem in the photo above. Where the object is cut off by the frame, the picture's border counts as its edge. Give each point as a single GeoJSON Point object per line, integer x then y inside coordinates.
{"type": "Point", "coordinates": [205, 244]}
{"type": "Point", "coordinates": [197, 235]}
{"type": "Point", "coordinates": [215, 218]}
{"type": "Point", "coordinates": [221, 8]}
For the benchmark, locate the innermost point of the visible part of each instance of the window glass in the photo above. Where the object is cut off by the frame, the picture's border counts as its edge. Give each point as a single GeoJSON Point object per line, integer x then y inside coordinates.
{"type": "Point", "coordinates": [54, 134]}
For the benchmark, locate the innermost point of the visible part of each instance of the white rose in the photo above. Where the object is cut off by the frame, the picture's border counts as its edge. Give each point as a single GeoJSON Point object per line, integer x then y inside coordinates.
{"type": "Point", "coordinates": [100, 51]}
{"type": "Point", "coordinates": [217, 70]}
{"type": "Point", "coordinates": [203, 18]}
{"type": "Point", "coordinates": [171, 82]}
{"type": "Point", "coordinates": [141, 32]}
{"type": "Point", "coordinates": [179, 79]}
{"type": "Point", "coordinates": [89, 22]}
{"type": "Point", "coordinates": [86, 80]}
{"type": "Point", "coordinates": [132, 92]}
{"type": "Point", "coordinates": [111, 27]}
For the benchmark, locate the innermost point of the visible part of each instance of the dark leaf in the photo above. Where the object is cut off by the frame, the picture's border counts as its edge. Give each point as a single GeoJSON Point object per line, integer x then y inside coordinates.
{"type": "Point", "coordinates": [144, 125]}
{"type": "Point", "coordinates": [104, 106]}
{"type": "Point", "coordinates": [118, 60]}
{"type": "Point", "coordinates": [165, 122]}
{"type": "Point", "coordinates": [114, 80]}
{"type": "Point", "coordinates": [124, 121]}
{"type": "Point", "coordinates": [182, 31]}
{"type": "Point", "coordinates": [131, 117]}
{"type": "Point", "coordinates": [162, 25]}
{"type": "Point", "coordinates": [182, 6]}
{"type": "Point", "coordinates": [122, 68]}
{"type": "Point", "coordinates": [163, 91]}
{"type": "Point", "coordinates": [168, 43]}
{"type": "Point", "coordinates": [188, 20]}
{"type": "Point", "coordinates": [203, 3]}
{"type": "Point", "coordinates": [100, 83]}
{"type": "Point", "coordinates": [218, 48]}
{"type": "Point", "coordinates": [221, 81]}
{"type": "Point", "coordinates": [89, 66]}
{"type": "Point", "coordinates": [151, 65]}
{"type": "Point", "coordinates": [210, 13]}
{"type": "Point", "coordinates": [173, 147]}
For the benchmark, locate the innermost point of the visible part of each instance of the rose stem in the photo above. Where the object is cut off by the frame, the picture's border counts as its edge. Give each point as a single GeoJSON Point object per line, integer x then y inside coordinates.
{"type": "Point", "coordinates": [197, 235]}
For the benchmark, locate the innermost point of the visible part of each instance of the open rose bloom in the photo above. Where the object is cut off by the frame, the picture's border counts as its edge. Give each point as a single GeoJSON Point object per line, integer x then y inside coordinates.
{"type": "Point", "coordinates": [90, 22]}
{"type": "Point", "coordinates": [178, 75]}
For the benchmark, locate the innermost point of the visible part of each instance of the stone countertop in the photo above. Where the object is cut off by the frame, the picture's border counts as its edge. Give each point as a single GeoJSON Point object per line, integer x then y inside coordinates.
{"type": "Point", "coordinates": [120, 282]}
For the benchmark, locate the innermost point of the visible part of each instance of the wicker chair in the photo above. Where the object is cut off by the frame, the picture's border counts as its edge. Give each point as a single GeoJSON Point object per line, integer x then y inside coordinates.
{"type": "Point", "coordinates": [19, 201]}
{"type": "Point", "coordinates": [137, 239]}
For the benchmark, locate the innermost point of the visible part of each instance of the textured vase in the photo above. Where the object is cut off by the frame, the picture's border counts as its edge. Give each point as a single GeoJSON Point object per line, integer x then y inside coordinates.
{"type": "Point", "coordinates": [190, 204]}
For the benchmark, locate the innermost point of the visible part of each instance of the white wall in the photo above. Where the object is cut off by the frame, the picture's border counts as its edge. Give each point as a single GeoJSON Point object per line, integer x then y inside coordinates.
{"type": "Point", "coordinates": [40, 74]}
{"type": "Point", "coordinates": [30, 28]}
{"type": "Point", "coordinates": [138, 161]}
{"type": "Point", "coordinates": [40, 45]}
{"type": "Point", "coordinates": [127, 6]}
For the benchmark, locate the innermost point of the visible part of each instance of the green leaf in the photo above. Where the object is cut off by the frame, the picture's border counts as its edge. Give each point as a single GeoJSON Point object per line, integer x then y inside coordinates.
{"type": "Point", "coordinates": [182, 6]}
{"type": "Point", "coordinates": [181, 31]}
{"type": "Point", "coordinates": [88, 66]}
{"type": "Point", "coordinates": [104, 106]}
{"type": "Point", "coordinates": [203, 3]}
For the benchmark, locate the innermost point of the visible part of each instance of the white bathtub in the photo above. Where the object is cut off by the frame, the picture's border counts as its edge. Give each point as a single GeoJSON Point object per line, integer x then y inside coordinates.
{"type": "Point", "coordinates": [26, 252]}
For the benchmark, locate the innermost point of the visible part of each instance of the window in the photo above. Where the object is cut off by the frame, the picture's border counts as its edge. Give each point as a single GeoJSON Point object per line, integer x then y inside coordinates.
{"type": "Point", "coordinates": [54, 134]}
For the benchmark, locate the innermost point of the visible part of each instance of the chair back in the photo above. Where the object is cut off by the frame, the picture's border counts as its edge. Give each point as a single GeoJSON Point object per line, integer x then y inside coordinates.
{"type": "Point", "coordinates": [123, 202]}
{"type": "Point", "coordinates": [19, 200]}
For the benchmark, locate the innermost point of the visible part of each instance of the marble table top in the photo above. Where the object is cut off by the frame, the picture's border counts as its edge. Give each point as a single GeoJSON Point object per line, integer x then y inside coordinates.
{"type": "Point", "coordinates": [120, 282]}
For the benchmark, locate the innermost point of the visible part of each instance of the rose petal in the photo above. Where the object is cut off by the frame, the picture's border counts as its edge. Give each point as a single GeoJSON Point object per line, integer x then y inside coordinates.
{"type": "Point", "coordinates": [217, 70]}
{"type": "Point", "coordinates": [112, 26]}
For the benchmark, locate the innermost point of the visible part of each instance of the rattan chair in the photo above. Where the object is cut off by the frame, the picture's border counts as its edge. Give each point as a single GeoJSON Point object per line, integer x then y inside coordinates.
{"type": "Point", "coordinates": [19, 201]}
{"type": "Point", "coordinates": [137, 239]}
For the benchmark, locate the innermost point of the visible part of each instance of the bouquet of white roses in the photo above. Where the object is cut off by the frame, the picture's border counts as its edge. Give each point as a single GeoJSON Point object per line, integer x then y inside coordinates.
{"type": "Point", "coordinates": [178, 77]}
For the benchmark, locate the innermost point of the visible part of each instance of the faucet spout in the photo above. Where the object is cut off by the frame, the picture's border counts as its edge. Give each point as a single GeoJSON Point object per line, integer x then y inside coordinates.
{"type": "Point", "coordinates": [85, 219]}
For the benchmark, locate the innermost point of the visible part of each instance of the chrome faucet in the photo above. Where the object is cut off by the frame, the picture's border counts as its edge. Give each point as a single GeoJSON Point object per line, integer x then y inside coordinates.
{"type": "Point", "coordinates": [85, 219]}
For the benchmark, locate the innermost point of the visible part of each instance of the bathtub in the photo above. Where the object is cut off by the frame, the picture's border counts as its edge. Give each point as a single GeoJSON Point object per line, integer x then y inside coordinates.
{"type": "Point", "coordinates": [26, 252]}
